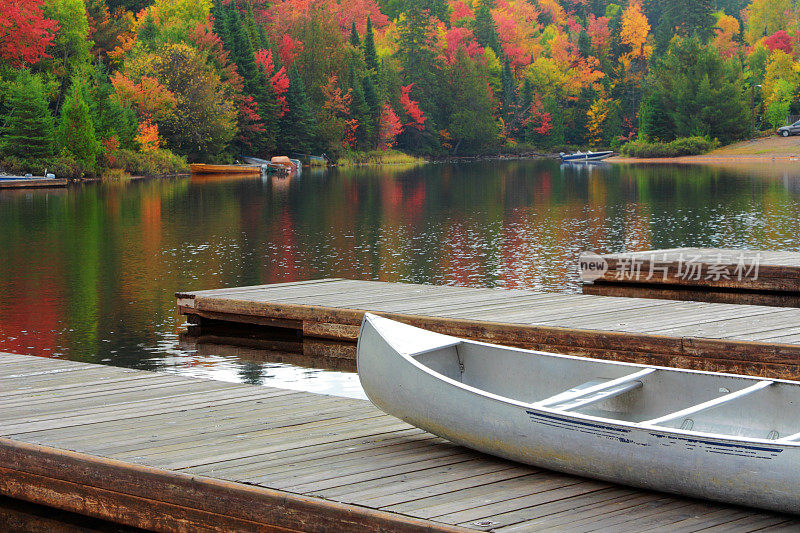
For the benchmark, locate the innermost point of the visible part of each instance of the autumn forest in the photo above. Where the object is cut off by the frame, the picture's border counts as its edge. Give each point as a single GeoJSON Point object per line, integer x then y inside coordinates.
{"type": "Point", "coordinates": [144, 86]}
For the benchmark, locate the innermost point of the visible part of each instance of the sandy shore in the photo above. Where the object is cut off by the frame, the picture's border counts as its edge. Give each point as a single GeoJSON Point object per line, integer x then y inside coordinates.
{"type": "Point", "coordinates": [763, 150]}
{"type": "Point", "coordinates": [708, 159]}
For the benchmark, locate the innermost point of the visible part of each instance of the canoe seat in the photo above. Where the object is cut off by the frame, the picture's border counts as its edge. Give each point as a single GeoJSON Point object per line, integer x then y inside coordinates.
{"type": "Point", "coordinates": [594, 391]}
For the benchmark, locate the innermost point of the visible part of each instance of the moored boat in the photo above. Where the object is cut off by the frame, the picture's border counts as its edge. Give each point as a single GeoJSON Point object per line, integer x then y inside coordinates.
{"type": "Point", "coordinates": [582, 157]}
{"type": "Point", "coordinates": [709, 435]}
{"type": "Point", "coordinates": [203, 168]}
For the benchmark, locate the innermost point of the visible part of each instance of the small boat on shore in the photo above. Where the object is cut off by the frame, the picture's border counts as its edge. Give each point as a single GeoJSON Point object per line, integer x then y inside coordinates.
{"type": "Point", "coordinates": [30, 181]}
{"type": "Point", "coordinates": [203, 168]}
{"type": "Point", "coordinates": [312, 160]}
{"type": "Point", "coordinates": [293, 165]}
{"type": "Point", "coordinates": [708, 435]}
{"type": "Point", "coordinates": [583, 157]}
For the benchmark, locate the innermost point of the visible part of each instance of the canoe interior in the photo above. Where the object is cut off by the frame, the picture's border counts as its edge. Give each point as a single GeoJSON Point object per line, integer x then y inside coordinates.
{"type": "Point", "coordinates": [528, 377]}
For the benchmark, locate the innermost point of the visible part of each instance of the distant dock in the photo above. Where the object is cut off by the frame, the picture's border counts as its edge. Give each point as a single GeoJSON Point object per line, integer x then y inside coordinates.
{"type": "Point", "coordinates": [326, 314]}
{"type": "Point", "coordinates": [20, 182]}
{"type": "Point", "coordinates": [171, 453]}
{"type": "Point", "coordinates": [702, 274]}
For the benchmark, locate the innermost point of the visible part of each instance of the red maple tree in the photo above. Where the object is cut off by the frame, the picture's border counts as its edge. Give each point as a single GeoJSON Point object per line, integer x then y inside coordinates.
{"type": "Point", "coordinates": [390, 127]}
{"type": "Point", "coordinates": [25, 33]}
{"type": "Point", "coordinates": [779, 40]}
{"type": "Point", "coordinates": [411, 108]}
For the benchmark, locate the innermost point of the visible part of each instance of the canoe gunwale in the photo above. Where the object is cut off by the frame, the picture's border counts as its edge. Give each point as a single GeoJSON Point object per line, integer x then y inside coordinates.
{"type": "Point", "coordinates": [409, 358]}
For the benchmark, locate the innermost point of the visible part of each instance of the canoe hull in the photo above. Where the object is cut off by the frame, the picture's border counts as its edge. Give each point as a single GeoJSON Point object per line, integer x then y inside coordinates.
{"type": "Point", "coordinates": [726, 470]}
{"type": "Point", "coordinates": [586, 158]}
{"type": "Point", "coordinates": [201, 168]}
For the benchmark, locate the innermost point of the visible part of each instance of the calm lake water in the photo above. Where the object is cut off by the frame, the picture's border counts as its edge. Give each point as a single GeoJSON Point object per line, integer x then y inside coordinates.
{"type": "Point", "coordinates": [88, 273]}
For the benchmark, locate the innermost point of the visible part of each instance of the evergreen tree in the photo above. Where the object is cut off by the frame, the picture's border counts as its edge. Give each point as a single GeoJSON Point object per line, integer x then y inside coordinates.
{"type": "Point", "coordinates": [354, 40]}
{"type": "Point", "coordinates": [255, 32]}
{"type": "Point", "coordinates": [508, 95]}
{"type": "Point", "coordinates": [681, 17]}
{"type": "Point", "coordinates": [359, 110]}
{"type": "Point", "coordinates": [76, 134]}
{"type": "Point", "coordinates": [297, 126]}
{"type": "Point", "coordinates": [255, 81]}
{"type": "Point", "coordinates": [525, 100]}
{"type": "Point", "coordinates": [698, 93]}
{"type": "Point", "coordinates": [486, 31]}
{"type": "Point", "coordinates": [109, 116]}
{"type": "Point", "coordinates": [374, 103]}
{"type": "Point", "coordinates": [584, 44]}
{"type": "Point", "coordinates": [470, 105]}
{"type": "Point", "coordinates": [242, 52]}
{"type": "Point", "coordinates": [416, 50]}
{"type": "Point", "coordinates": [370, 55]}
{"type": "Point", "coordinates": [28, 129]}
{"type": "Point", "coordinates": [219, 14]}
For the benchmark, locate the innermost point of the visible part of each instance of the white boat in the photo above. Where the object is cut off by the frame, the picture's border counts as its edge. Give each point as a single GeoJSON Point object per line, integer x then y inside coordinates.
{"type": "Point", "coordinates": [584, 157]}
{"type": "Point", "coordinates": [708, 435]}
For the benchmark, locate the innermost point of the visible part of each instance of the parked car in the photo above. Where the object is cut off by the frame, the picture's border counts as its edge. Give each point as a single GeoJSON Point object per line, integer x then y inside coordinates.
{"type": "Point", "coordinates": [791, 129]}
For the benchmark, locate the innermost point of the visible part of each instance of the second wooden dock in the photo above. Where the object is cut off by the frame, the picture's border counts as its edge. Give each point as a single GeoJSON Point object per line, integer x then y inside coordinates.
{"type": "Point", "coordinates": [326, 314]}
{"type": "Point", "coordinates": [719, 275]}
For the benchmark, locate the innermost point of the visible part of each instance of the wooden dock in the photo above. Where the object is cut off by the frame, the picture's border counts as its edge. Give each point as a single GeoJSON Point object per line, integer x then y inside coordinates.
{"type": "Point", "coordinates": [171, 453]}
{"type": "Point", "coordinates": [33, 183]}
{"type": "Point", "coordinates": [716, 275]}
{"type": "Point", "coordinates": [743, 339]}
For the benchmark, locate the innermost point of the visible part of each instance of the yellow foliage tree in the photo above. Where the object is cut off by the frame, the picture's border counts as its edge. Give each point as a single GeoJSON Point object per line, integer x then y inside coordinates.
{"type": "Point", "coordinates": [725, 32]}
{"type": "Point", "coordinates": [635, 29]}
{"type": "Point", "coordinates": [765, 17]}
{"type": "Point", "coordinates": [781, 66]}
{"type": "Point", "coordinates": [597, 115]}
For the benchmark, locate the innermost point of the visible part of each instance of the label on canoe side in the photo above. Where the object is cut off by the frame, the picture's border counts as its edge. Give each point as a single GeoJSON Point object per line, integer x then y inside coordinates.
{"type": "Point", "coordinates": [625, 436]}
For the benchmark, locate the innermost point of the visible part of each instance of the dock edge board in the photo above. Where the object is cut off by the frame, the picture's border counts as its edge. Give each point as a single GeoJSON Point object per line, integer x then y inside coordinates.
{"type": "Point", "coordinates": [161, 500]}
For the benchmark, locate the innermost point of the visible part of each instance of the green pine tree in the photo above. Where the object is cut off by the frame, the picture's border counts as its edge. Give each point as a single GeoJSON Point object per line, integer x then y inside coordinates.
{"type": "Point", "coordinates": [584, 44]}
{"type": "Point", "coordinates": [242, 51]}
{"type": "Point", "coordinates": [695, 17]}
{"type": "Point", "coordinates": [360, 110]}
{"type": "Point", "coordinates": [28, 128]}
{"type": "Point", "coordinates": [354, 40]}
{"type": "Point", "coordinates": [486, 31]}
{"type": "Point", "coordinates": [76, 133]}
{"type": "Point", "coordinates": [297, 126]}
{"type": "Point", "coordinates": [508, 94]}
{"type": "Point", "coordinates": [255, 81]}
{"type": "Point", "coordinates": [255, 32]}
{"type": "Point", "coordinates": [370, 54]}
{"type": "Point", "coordinates": [374, 103]}
{"type": "Point", "coordinates": [220, 25]}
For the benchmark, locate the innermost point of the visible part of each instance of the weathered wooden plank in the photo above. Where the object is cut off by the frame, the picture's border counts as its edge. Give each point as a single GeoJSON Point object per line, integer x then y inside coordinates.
{"type": "Point", "coordinates": [517, 520]}
{"type": "Point", "coordinates": [422, 484]}
{"type": "Point", "coordinates": [708, 295]}
{"type": "Point", "coordinates": [125, 493]}
{"type": "Point", "coordinates": [541, 493]}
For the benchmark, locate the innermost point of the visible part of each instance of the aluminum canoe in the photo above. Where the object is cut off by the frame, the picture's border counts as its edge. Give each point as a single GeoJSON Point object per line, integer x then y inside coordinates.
{"type": "Point", "coordinates": [723, 437]}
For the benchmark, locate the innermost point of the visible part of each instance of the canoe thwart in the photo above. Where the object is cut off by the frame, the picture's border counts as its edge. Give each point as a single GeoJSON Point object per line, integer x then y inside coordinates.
{"type": "Point", "coordinates": [709, 404]}
{"type": "Point", "coordinates": [614, 387]}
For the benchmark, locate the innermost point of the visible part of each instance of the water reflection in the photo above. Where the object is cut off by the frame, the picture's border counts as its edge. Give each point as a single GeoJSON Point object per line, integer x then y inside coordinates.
{"type": "Point", "coordinates": [89, 273]}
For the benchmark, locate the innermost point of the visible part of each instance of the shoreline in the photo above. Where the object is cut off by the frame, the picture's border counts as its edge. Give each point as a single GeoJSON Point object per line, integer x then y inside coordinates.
{"type": "Point", "coordinates": [707, 159]}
